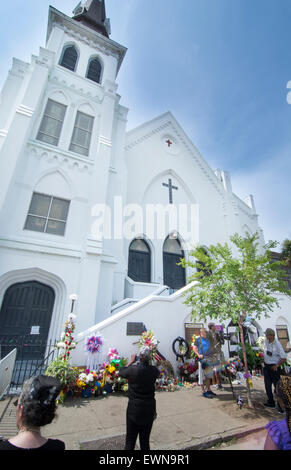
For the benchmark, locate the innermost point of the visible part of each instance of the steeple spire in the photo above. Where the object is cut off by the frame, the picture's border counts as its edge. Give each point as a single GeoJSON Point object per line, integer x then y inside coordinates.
{"type": "Point", "coordinates": [92, 14]}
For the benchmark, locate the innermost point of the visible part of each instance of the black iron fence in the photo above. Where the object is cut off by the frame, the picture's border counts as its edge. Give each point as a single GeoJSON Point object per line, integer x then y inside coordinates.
{"type": "Point", "coordinates": [31, 359]}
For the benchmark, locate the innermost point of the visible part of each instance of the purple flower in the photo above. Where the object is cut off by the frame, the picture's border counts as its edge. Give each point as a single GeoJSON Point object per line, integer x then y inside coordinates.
{"type": "Point", "coordinates": [247, 375]}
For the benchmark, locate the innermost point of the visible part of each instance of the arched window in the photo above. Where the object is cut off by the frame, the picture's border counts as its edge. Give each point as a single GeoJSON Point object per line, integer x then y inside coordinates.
{"type": "Point", "coordinates": [94, 70]}
{"type": "Point", "coordinates": [139, 261]}
{"type": "Point", "coordinates": [174, 275]}
{"type": "Point", "coordinates": [69, 58]}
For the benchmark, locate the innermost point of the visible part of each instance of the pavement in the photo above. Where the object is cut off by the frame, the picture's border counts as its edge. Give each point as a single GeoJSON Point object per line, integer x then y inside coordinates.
{"type": "Point", "coordinates": [186, 420]}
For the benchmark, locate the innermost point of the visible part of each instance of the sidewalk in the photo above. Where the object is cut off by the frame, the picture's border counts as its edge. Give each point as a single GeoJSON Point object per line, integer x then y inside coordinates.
{"type": "Point", "coordinates": [186, 420]}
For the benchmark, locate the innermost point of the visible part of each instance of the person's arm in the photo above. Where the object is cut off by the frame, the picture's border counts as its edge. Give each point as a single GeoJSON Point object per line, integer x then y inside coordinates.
{"type": "Point", "coordinates": [125, 371]}
{"type": "Point", "coordinates": [282, 354]}
{"type": "Point", "coordinates": [270, 444]}
{"type": "Point", "coordinates": [196, 350]}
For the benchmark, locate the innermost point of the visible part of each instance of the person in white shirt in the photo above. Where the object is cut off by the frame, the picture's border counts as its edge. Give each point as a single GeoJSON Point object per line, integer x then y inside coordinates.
{"type": "Point", "coordinates": [274, 357]}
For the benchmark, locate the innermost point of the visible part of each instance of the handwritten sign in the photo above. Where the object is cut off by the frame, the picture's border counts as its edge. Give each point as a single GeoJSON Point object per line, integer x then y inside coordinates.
{"type": "Point", "coordinates": [34, 330]}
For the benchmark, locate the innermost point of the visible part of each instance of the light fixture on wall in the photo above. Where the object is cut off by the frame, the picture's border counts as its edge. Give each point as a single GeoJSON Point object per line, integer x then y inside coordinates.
{"type": "Point", "coordinates": [73, 298]}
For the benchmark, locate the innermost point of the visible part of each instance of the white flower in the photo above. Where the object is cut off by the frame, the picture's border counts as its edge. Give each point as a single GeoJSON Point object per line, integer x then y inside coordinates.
{"type": "Point", "coordinates": [61, 344]}
{"type": "Point", "coordinates": [261, 342]}
{"type": "Point", "coordinates": [82, 377]}
{"type": "Point", "coordinates": [89, 378]}
{"type": "Point", "coordinates": [71, 317]}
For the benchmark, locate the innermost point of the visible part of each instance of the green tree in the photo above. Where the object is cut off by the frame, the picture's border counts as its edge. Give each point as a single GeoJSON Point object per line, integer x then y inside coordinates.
{"type": "Point", "coordinates": [286, 252]}
{"type": "Point", "coordinates": [235, 281]}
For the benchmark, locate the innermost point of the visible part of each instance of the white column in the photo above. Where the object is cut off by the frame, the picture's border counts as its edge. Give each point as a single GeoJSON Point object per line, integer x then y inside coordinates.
{"type": "Point", "coordinates": [21, 123]}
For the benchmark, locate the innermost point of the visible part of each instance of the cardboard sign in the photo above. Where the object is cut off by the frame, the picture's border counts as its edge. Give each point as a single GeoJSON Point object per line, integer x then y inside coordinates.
{"type": "Point", "coordinates": [34, 330]}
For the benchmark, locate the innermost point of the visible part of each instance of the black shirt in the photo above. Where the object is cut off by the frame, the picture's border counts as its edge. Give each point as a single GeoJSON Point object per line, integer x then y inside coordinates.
{"type": "Point", "coordinates": [51, 444]}
{"type": "Point", "coordinates": [141, 391]}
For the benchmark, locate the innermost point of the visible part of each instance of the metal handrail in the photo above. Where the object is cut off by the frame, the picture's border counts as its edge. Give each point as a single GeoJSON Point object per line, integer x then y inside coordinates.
{"type": "Point", "coordinates": [27, 365]}
{"type": "Point", "coordinates": [45, 361]}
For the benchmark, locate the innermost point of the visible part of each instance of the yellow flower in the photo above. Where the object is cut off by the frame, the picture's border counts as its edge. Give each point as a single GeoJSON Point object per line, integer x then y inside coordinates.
{"type": "Point", "coordinates": [111, 369]}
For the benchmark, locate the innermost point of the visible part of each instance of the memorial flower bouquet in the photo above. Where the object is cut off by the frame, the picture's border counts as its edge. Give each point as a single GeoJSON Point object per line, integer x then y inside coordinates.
{"type": "Point", "coordinates": [67, 340]}
{"type": "Point", "coordinates": [261, 343]}
{"type": "Point", "coordinates": [110, 371]}
{"type": "Point", "coordinates": [89, 383]}
{"type": "Point", "coordinates": [148, 341]}
{"type": "Point", "coordinates": [65, 373]}
{"type": "Point", "coordinates": [193, 339]}
{"type": "Point", "coordinates": [188, 369]}
{"type": "Point", "coordinates": [232, 366]}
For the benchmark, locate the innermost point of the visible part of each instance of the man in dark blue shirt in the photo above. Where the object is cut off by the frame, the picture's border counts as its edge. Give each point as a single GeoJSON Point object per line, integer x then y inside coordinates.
{"type": "Point", "coordinates": [141, 409]}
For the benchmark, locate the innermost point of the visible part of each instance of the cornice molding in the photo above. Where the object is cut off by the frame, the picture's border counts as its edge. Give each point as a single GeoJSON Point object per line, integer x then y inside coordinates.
{"type": "Point", "coordinates": [67, 82]}
{"type": "Point", "coordinates": [59, 157]}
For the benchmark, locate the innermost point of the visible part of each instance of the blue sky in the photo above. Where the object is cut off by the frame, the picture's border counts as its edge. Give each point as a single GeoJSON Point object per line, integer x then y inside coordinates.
{"type": "Point", "coordinates": [220, 66]}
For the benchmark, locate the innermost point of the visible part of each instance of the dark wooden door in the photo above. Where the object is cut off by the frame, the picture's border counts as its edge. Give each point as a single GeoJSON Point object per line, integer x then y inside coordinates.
{"type": "Point", "coordinates": [139, 266]}
{"type": "Point", "coordinates": [25, 319]}
{"type": "Point", "coordinates": [174, 276]}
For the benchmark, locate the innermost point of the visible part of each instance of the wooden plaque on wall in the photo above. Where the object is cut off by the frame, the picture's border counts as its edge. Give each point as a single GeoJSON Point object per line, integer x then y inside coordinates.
{"type": "Point", "coordinates": [190, 330]}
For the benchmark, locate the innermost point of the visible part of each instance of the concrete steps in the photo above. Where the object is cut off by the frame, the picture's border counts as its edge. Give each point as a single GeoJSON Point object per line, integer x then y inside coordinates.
{"type": "Point", "coordinates": [8, 426]}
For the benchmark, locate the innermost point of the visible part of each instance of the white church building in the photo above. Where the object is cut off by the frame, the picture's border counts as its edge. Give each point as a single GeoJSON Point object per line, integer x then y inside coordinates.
{"type": "Point", "coordinates": [90, 210]}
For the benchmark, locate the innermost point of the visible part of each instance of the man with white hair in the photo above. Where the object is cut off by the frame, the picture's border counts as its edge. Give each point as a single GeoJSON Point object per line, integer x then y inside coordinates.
{"type": "Point", "coordinates": [141, 408]}
{"type": "Point", "coordinates": [274, 357]}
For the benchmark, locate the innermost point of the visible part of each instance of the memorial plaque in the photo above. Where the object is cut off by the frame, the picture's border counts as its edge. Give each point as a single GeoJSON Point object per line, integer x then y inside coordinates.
{"type": "Point", "coordinates": [134, 329]}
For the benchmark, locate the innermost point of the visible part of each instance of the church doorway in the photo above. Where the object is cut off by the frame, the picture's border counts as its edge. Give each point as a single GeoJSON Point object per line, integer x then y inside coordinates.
{"type": "Point", "coordinates": [139, 261]}
{"type": "Point", "coordinates": [174, 275]}
{"type": "Point", "coordinates": [25, 319]}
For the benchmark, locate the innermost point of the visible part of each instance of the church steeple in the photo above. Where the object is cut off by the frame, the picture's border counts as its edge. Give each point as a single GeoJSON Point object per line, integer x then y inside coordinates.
{"type": "Point", "coordinates": [92, 14]}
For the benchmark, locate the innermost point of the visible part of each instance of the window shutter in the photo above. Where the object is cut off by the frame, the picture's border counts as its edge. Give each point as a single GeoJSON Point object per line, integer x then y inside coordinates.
{"type": "Point", "coordinates": [94, 70]}
{"type": "Point", "coordinates": [52, 122]}
{"type": "Point", "coordinates": [82, 132]}
{"type": "Point", "coordinates": [69, 58]}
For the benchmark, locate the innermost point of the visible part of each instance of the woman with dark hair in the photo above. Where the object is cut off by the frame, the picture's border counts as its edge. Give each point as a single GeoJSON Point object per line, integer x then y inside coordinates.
{"type": "Point", "coordinates": [36, 407]}
{"type": "Point", "coordinates": [141, 408]}
{"type": "Point", "coordinates": [279, 432]}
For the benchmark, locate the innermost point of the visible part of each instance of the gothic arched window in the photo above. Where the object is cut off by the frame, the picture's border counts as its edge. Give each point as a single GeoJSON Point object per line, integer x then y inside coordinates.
{"type": "Point", "coordinates": [94, 70]}
{"type": "Point", "coordinates": [69, 58]}
{"type": "Point", "coordinates": [174, 275]}
{"type": "Point", "coordinates": [139, 261]}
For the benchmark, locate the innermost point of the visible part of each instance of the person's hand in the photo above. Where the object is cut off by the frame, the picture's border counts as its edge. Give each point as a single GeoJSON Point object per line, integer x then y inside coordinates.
{"type": "Point", "coordinates": [133, 358]}
{"type": "Point", "coordinates": [274, 368]}
{"type": "Point", "coordinates": [200, 356]}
